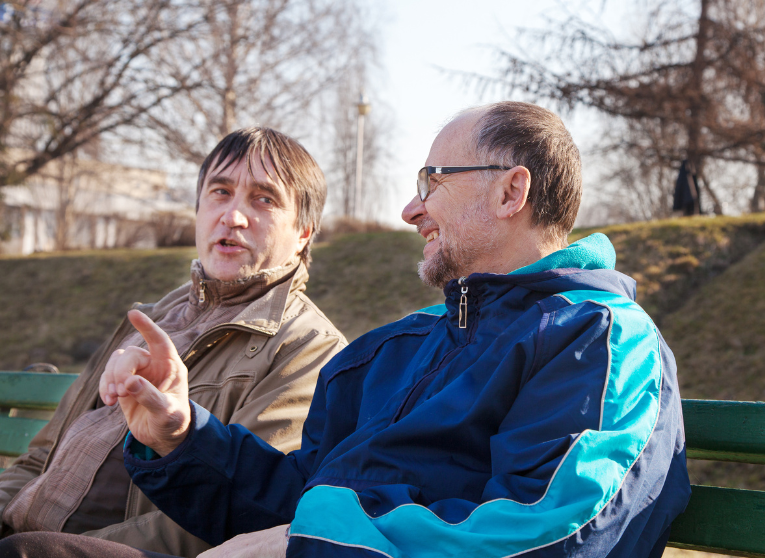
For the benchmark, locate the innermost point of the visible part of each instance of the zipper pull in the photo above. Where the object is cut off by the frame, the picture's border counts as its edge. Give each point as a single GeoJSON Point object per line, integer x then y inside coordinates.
{"type": "Point", "coordinates": [463, 304]}
{"type": "Point", "coordinates": [201, 292]}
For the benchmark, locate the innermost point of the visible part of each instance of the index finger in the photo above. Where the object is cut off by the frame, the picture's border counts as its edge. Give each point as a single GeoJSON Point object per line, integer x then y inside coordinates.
{"type": "Point", "coordinates": [159, 343]}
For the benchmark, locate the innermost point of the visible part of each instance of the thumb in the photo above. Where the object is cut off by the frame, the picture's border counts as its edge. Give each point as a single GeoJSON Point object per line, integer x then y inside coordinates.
{"type": "Point", "coordinates": [146, 395]}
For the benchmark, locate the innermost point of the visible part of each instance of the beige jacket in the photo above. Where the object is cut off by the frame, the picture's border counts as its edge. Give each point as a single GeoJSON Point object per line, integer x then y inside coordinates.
{"type": "Point", "coordinates": [259, 369]}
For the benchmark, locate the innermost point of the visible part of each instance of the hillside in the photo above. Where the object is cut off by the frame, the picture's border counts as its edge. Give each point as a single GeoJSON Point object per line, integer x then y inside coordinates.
{"type": "Point", "coordinates": [58, 308]}
{"type": "Point", "coordinates": [363, 281]}
{"type": "Point", "coordinates": [701, 279]}
{"type": "Point", "coordinates": [717, 338]}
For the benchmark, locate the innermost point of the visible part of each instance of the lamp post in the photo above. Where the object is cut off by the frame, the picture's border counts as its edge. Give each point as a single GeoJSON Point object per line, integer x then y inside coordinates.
{"type": "Point", "coordinates": [364, 107]}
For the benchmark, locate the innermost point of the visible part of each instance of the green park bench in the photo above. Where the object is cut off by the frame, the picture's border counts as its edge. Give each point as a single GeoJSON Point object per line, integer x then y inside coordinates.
{"type": "Point", "coordinates": [25, 398]}
{"type": "Point", "coordinates": [719, 520]}
{"type": "Point", "coordinates": [723, 520]}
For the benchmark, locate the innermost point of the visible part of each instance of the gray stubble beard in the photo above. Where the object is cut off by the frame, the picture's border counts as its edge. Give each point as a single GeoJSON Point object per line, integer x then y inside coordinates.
{"type": "Point", "coordinates": [454, 259]}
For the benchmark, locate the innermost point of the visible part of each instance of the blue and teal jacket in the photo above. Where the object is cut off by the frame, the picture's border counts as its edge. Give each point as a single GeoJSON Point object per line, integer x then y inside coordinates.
{"type": "Point", "coordinates": [549, 425]}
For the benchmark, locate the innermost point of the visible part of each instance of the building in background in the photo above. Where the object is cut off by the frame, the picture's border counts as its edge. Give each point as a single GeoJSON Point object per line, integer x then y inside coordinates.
{"type": "Point", "coordinates": [89, 204]}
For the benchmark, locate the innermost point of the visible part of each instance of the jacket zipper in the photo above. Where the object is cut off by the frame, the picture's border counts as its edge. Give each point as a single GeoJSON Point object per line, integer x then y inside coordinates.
{"type": "Point", "coordinates": [201, 291]}
{"type": "Point", "coordinates": [463, 304]}
{"type": "Point", "coordinates": [420, 386]}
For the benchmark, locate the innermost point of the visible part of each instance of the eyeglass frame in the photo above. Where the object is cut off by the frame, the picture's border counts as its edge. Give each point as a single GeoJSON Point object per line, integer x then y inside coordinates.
{"type": "Point", "coordinates": [447, 170]}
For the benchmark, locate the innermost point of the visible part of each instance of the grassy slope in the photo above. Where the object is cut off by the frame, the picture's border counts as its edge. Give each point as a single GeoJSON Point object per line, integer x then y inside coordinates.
{"type": "Point", "coordinates": [718, 335]}
{"type": "Point", "coordinates": [57, 308]}
{"type": "Point", "coordinates": [60, 308]}
{"type": "Point", "coordinates": [701, 278]}
{"type": "Point", "coordinates": [717, 338]}
{"type": "Point", "coordinates": [672, 258]}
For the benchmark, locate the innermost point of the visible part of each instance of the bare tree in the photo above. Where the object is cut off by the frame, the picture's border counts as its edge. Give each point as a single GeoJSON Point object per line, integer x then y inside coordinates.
{"type": "Point", "coordinates": [73, 70]}
{"type": "Point", "coordinates": [260, 62]}
{"type": "Point", "coordinates": [688, 87]}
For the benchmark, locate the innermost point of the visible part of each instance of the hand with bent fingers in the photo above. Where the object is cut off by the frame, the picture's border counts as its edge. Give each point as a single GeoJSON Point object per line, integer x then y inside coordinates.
{"type": "Point", "coordinates": [151, 386]}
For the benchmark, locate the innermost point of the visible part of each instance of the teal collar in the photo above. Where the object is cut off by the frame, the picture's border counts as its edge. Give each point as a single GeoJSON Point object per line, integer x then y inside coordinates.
{"type": "Point", "coordinates": [591, 252]}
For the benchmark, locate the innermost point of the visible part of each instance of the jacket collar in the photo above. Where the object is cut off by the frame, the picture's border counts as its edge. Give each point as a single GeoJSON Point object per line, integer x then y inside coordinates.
{"type": "Point", "coordinates": [267, 292]}
{"type": "Point", "coordinates": [591, 252]}
{"type": "Point", "coordinates": [205, 292]}
{"type": "Point", "coordinates": [265, 313]}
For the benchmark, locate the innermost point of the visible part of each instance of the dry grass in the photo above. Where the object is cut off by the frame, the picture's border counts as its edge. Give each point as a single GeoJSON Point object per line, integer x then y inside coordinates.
{"type": "Point", "coordinates": [702, 278]}
{"type": "Point", "coordinates": [59, 308]}
{"type": "Point", "coordinates": [717, 338]}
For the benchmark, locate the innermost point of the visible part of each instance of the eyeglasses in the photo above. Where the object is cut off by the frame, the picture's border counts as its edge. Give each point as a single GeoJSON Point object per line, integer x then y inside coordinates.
{"type": "Point", "coordinates": [423, 177]}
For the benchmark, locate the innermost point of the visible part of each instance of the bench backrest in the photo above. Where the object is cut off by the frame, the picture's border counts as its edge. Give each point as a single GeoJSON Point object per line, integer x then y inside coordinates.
{"type": "Point", "coordinates": [723, 520]}
{"type": "Point", "coordinates": [22, 391]}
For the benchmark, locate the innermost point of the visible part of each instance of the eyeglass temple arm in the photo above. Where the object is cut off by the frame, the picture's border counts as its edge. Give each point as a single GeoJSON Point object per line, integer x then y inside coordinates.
{"type": "Point", "coordinates": [452, 170]}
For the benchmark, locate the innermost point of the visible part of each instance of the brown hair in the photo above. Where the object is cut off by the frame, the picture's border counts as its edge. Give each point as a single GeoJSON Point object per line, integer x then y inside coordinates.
{"type": "Point", "coordinates": [291, 163]}
{"type": "Point", "coordinates": [512, 133]}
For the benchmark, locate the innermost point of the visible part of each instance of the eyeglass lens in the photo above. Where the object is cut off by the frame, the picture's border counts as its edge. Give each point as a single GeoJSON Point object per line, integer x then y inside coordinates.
{"type": "Point", "coordinates": [423, 183]}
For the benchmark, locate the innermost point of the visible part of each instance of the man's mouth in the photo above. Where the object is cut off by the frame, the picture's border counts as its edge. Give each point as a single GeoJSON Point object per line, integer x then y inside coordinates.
{"type": "Point", "coordinates": [432, 236]}
{"type": "Point", "coordinates": [226, 242]}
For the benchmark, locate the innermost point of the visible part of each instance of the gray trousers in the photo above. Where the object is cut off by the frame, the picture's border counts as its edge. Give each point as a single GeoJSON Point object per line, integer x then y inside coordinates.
{"type": "Point", "coordinates": [41, 544]}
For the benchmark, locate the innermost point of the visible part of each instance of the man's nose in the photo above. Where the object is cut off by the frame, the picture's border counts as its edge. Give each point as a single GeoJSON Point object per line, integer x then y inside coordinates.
{"type": "Point", "coordinates": [234, 217]}
{"type": "Point", "coordinates": [414, 211]}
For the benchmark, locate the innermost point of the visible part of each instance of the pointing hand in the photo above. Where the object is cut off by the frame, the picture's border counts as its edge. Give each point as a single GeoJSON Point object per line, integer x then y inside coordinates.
{"type": "Point", "coordinates": [151, 386]}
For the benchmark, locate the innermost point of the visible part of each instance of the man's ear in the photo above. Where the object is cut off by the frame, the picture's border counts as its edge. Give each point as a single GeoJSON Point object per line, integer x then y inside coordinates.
{"type": "Point", "coordinates": [305, 236]}
{"type": "Point", "coordinates": [512, 189]}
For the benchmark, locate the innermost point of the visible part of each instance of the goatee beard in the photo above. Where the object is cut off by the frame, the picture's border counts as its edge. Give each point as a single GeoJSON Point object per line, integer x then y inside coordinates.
{"type": "Point", "coordinates": [438, 270]}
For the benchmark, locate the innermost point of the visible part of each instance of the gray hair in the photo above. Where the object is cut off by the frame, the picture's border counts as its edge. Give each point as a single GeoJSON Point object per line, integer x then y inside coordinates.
{"type": "Point", "coordinates": [512, 133]}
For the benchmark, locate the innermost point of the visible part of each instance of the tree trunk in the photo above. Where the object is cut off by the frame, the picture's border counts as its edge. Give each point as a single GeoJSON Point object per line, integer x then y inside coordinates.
{"type": "Point", "coordinates": [716, 205]}
{"type": "Point", "coordinates": [757, 203]}
{"type": "Point", "coordinates": [696, 95]}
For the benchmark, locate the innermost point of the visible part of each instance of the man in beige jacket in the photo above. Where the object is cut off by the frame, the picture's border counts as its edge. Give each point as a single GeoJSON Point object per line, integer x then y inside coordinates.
{"type": "Point", "coordinates": [251, 339]}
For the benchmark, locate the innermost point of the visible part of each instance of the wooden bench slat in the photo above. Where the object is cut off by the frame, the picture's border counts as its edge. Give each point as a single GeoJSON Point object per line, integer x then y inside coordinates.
{"type": "Point", "coordinates": [16, 433]}
{"type": "Point", "coordinates": [724, 430]}
{"type": "Point", "coordinates": [722, 520]}
{"type": "Point", "coordinates": [33, 390]}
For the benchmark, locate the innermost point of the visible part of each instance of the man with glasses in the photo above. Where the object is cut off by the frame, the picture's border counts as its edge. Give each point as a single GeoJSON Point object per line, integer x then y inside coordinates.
{"type": "Point", "coordinates": [536, 412]}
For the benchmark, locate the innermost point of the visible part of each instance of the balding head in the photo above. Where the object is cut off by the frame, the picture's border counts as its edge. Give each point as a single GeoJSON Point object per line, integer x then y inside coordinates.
{"type": "Point", "coordinates": [512, 133]}
{"type": "Point", "coordinates": [519, 211]}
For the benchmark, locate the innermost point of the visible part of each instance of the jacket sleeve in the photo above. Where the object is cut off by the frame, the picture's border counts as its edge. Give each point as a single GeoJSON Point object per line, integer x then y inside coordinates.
{"type": "Point", "coordinates": [578, 465]}
{"type": "Point", "coordinates": [221, 481]}
{"type": "Point", "coordinates": [274, 410]}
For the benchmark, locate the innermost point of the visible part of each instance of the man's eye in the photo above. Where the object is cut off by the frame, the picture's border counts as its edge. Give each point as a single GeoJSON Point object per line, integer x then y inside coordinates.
{"type": "Point", "coordinates": [265, 199]}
